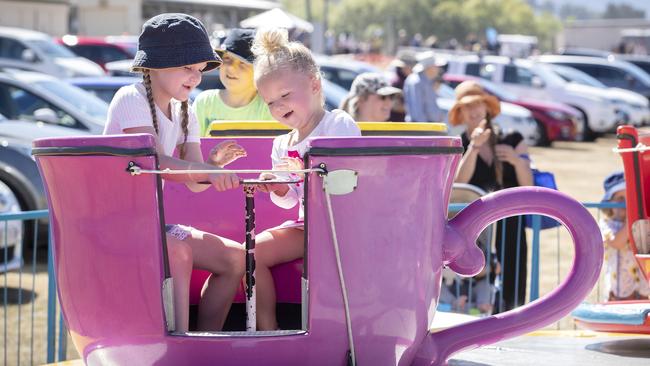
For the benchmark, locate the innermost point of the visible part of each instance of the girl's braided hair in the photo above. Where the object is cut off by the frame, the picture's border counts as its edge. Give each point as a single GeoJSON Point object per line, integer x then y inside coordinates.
{"type": "Point", "coordinates": [146, 78]}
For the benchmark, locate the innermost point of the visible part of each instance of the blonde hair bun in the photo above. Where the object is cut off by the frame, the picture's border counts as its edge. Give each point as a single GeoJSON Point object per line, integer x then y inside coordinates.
{"type": "Point", "coordinates": [270, 41]}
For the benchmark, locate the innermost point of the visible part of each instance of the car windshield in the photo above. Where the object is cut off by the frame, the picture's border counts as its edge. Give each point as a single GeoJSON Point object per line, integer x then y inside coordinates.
{"type": "Point", "coordinates": [576, 76]}
{"type": "Point", "coordinates": [51, 49]}
{"type": "Point", "coordinates": [500, 93]}
{"type": "Point", "coordinates": [547, 74]}
{"type": "Point", "coordinates": [638, 73]}
{"type": "Point", "coordinates": [84, 102]}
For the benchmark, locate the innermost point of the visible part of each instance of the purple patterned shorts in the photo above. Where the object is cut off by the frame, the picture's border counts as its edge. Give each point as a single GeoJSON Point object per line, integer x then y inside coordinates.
{"type": "Point", "coordinates": [180, 232]}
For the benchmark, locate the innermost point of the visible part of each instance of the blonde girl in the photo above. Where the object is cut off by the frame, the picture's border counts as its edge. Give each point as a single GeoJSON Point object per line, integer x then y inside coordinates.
{"type": "Point", "coordinates": [289, 81]}
{"type": "Point", "coordinates": [173, 52]}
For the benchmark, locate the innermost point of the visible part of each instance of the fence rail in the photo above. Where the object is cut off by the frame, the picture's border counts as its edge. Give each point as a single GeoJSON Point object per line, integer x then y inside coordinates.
{"type": "Point", "coordinates": [45, 341]}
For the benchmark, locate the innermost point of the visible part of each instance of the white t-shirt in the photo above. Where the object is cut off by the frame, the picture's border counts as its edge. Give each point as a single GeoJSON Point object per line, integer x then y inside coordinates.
{"type": "Point", "coordinates": [130, 108]}
{"type": "Point", "coordinates": [334, 123]}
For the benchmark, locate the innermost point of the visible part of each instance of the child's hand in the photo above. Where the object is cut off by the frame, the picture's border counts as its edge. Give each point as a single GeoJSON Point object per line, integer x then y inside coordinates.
{"type": "Point", "coordinates": [222, 182]}
{"type": "Point", "coordinates": [225, 153]}
{"type": "Point", "coordinates": [277, 188]}
{"type": "Point", "coordinates": [291, 164]}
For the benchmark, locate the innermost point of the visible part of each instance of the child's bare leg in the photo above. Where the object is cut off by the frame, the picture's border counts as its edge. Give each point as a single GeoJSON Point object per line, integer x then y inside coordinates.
{"type": "Point", "coordinates": [180, 265]}
{"type": "Point", "coordinates": [225, 259]}
{"type": "Point", "coordinates": [272, 248]}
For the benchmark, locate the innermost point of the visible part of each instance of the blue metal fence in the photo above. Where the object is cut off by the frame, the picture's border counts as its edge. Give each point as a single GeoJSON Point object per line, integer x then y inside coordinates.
{"type": "Point", "coordinates": [55, 346]}
{"type": "Point", "coordinates": [24, 342]}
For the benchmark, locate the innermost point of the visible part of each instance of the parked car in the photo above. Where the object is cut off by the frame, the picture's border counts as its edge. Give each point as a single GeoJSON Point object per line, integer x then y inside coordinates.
{"type": "Point", "coordinates": [35, 51]}
{"type": "Point", "coordinates": [41, 98]}
{"type": "Point", "coordinates": [101, 49]}
{"type": "Point", "coordinates": [642, 61]}
{"type": "Point", "coordinates": [634, 105]}
{"type": "Point", "coordinates": [342, 71]}
{"type": "Point", "coordinates": [610, 71]}
{"type": "Point", "coordinates": [529, 79]}
{"type": "Point", "coordinates": [511, 118]}
{"type": "Point", "coordinates": [555, 121]}
{"type": "Point", "coordinates": [21, 188]}
{"type": "Point", "coordinates": [105, 87]}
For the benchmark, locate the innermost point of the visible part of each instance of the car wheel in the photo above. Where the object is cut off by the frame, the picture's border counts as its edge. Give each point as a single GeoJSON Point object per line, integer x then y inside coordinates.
{"type": "Point", "coordinates": [542, 139]}
{"type": "Point", "coordinates": [587, 134]}
{"type": "Point", "coordinates": [12, 233]}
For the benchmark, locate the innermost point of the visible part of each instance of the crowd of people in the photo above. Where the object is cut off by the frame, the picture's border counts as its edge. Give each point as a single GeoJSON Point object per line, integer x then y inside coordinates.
{"type": "Point", "coordinates": [268, 77]}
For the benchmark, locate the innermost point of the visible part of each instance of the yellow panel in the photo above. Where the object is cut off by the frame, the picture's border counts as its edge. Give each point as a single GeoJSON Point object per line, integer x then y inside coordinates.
{"type": "Point", "coordinates": [272, 128]}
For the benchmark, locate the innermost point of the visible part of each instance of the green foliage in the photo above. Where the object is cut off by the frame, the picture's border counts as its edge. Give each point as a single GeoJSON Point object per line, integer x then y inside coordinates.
{"type": "Point", "coordinates": [623, 11]}
{"type": "Point", "coordinates": [445, 19]}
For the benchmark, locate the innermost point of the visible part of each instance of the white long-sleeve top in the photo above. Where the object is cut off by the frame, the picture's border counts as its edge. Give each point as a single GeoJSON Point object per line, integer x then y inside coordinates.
{"type": "Point", "coordinates": [334, 123]}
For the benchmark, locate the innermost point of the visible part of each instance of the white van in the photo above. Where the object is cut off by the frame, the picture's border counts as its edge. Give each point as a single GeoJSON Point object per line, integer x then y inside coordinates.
{"type": "Point", "coordinates": [526, 78]}
{"type": "Point", "coordinates": [35, 51]}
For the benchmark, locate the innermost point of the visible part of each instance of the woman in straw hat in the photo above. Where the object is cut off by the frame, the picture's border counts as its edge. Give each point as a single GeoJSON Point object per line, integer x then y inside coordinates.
{"type": "Point", "coordinates": [494, 161]}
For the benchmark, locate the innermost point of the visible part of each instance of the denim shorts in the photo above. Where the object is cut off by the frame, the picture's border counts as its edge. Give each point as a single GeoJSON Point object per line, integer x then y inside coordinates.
{"type": "Point", "coordinates": [180, 232]}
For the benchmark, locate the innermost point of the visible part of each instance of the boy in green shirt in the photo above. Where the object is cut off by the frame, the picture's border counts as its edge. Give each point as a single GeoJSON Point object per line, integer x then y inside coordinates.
{"type": "Point", "coordinates": [239, 100]}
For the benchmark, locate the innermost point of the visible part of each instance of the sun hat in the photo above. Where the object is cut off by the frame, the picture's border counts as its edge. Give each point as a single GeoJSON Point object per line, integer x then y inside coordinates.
{"type": "Point", "coordinates": [469, 92]}
{"type": "Point", "coordinates": [427, 60]}
{"type": "Point", "coordinates": [613, 183]}
{"type": "Point", "coordinates": [372, 83]}
{"type": "Point", "coordinates": [238, 43]}
{"type": "Point", "coordinates": [174, 40]}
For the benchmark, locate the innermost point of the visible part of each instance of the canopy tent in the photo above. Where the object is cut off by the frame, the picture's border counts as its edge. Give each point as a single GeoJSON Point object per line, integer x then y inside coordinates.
{"type": "Point", "coordinates": [277, 18]}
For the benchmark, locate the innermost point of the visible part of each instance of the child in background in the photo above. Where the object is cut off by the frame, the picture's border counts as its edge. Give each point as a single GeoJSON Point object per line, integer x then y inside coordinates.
{"type": "Point", "coordinates": [173, 52]}
{"type": "Point", "coordinates": [239, 101]}
{"type": "Point", "coordinates": [289, 81]}
{"type": "Point", "coordinates": [623, 280]}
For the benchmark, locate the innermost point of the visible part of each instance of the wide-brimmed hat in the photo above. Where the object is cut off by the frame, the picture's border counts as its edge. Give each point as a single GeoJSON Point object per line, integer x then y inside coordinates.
{"type": "Point", "coordinates": [469, 92]}
{"type": "Point", "coordinates": [238, 43]}
{"type": "Point", "coordinates": [613, 183]}
{"type": "Point", "coordinates": [371, 83]}
{"type": "Point", "coordinates": [174, 40]}
{"type": "Point", "coordinates": [427, 60]}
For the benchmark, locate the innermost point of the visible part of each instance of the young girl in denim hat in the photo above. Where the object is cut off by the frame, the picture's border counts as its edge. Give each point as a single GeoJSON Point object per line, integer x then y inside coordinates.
{"type": "Point", "coordinates": [239, 101]}
{"type": "Point", "coordinates": [173, 52]}
{"type": "Point", "coordinates": [623, 280]}
{"type": "Point", "coordinates": [289, 81]}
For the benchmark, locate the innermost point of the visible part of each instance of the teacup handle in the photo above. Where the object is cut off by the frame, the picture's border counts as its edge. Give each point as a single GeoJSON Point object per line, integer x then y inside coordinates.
{"type": "Point", "coordinates": [464, 229]}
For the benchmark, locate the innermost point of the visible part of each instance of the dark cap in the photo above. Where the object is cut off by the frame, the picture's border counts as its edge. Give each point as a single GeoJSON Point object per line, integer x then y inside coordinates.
{"type": "Point", "coordinates": [239, 42]}
{"type": "Point", "coordinates": [174, 40]}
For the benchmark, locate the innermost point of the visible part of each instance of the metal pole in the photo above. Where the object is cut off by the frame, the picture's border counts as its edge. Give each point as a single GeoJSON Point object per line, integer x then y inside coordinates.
{"type": "Point", "coordinates": [251, 315]}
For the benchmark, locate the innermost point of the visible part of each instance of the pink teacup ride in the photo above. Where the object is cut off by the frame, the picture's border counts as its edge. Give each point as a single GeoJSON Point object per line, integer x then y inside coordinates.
{"type": "Point", "coordinates": [377, 238]}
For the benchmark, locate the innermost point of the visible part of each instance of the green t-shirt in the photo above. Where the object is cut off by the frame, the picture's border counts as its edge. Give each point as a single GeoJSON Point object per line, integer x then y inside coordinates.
{"type": "Point", "coordinates": [208, 106]}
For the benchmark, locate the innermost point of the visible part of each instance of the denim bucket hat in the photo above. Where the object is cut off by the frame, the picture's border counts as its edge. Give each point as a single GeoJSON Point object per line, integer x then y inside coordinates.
{"type": "Point", "coordinates": [613, 183]}
{"type": "Point", "coordinates": [174, 40]}
{"type": "Point", "coordinates": [238, 43]}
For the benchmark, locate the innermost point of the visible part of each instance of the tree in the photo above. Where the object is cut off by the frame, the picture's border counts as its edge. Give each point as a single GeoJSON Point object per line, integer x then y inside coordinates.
{"type": "Point", "coordinates": [622, 11]}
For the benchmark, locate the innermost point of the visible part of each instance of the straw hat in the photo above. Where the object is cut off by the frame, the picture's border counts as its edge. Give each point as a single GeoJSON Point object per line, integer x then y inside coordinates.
{"type": "Point", "coordinates": [470, 92]}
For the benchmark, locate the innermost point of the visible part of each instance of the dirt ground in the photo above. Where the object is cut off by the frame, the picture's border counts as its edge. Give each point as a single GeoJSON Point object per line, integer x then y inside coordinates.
{"type": "Point", "coordinates": [579, 170]}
